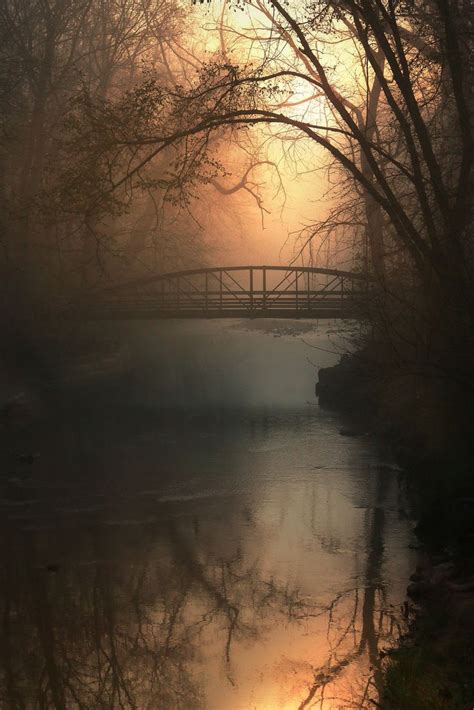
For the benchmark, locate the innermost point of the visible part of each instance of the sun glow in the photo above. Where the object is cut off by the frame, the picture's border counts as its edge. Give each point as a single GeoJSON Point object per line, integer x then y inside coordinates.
{"type": "Point", "coordinates": [287, 192]}
{"type": "Point", "coordinates": [317, 704]}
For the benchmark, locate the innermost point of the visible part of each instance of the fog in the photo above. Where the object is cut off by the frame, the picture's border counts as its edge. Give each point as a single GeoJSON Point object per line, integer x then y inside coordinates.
{"type": "Point", "coordinates": [221, 365]}
{"type": "Point", "coordinates": [203, 204]}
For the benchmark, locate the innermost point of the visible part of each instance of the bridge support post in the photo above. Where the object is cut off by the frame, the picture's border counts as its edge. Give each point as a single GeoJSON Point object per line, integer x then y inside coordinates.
{"type": "Point", "coordinates": [308, 285]}
{"type": "Point", "coordinates": [264, 287]}
{"type": "Point", "coordinates": [296, 290]}
{"type": "Point", "coordinates": [251, 289]}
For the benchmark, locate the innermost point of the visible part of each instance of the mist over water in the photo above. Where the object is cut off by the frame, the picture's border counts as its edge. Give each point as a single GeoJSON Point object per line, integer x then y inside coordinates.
{"type": "Point", "coordinates": [228, 365]}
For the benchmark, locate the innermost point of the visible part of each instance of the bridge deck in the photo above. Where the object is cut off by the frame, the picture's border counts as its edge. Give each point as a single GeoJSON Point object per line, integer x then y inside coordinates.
{"type": "Point", "coordinates": [234, 292]}
{"type": "Point", "coordinates": [182, 314]}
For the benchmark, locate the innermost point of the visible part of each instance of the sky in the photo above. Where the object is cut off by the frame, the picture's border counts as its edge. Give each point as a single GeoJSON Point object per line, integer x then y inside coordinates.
{"type": "Point", "coordinates": [292, 199]}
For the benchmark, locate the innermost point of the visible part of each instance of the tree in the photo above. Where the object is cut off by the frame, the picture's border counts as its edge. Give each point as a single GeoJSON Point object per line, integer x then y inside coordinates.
{"type": "Point", "coordinates": [400, 128]}
{"type": "Point", "coordinates": [52, 53]}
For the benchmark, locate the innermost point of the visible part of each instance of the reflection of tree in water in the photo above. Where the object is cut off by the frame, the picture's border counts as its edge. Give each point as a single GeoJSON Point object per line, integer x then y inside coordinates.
{"type": "Point", "coordinates": [127, 627]}
{"type": "Point", "coordinates": [124, 632]}
{"type": "Point", "coordinates": [359, 620]}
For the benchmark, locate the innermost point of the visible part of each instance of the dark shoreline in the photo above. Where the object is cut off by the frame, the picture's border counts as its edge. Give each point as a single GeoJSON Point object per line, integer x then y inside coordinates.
{"type": "Point", "coordinates": [432, 668]}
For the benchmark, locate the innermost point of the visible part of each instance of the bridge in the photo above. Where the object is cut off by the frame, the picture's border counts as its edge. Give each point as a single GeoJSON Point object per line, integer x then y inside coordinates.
{"type": "Point", "coordinates": [233, 292]}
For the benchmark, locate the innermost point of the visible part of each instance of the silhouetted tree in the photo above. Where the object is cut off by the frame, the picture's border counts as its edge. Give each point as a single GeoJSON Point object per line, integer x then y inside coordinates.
{"type": "Point", "coordinates": [399, 127]}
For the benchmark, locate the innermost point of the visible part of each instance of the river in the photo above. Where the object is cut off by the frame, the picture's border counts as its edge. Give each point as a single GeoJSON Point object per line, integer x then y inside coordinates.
{"type": "Point", "coordinates": [197, 533]}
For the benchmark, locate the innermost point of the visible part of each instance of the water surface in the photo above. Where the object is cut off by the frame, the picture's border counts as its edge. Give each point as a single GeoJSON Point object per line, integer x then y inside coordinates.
{"type": "Point", "coordinates": [228, 552]}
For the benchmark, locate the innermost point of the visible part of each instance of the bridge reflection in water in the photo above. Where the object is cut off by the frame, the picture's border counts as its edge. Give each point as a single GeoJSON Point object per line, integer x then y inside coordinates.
{"type": "Point", "coordinates": [235, 292]}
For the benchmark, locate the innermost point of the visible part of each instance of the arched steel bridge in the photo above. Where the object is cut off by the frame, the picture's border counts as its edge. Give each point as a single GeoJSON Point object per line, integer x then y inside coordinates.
{"type": "Point", "coordinates": [234, 292]}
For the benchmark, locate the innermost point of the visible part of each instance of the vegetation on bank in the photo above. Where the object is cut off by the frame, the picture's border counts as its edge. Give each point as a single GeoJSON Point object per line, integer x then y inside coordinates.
{"type": "Point", "coordinates": [432, 667]}
{"type": "Point", "coordinates": [433, 674]}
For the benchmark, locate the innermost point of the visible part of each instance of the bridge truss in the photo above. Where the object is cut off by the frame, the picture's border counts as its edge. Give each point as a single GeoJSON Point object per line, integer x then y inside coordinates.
{"type": "Point", "coordinates": [234, 292]}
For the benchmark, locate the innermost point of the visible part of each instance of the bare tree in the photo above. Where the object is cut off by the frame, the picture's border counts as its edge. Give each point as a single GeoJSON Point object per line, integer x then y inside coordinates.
{"type": "Point", "coordinates": [398, 127]}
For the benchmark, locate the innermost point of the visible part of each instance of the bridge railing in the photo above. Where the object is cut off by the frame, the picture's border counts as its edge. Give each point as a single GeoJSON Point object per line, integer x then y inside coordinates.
{"type": "Point", "coordinates": [248, 291]}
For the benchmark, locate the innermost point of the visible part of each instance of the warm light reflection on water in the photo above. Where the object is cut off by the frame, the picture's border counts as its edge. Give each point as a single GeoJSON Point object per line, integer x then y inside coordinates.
{"type": "Point", "coordinates": [268, 580]}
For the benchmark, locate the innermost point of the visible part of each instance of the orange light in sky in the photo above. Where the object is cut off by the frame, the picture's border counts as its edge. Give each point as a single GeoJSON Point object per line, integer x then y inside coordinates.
{"type": "Point", "coordinates": [249, 36]}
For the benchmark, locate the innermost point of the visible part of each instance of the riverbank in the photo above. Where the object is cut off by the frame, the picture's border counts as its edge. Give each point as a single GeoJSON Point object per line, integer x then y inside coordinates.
{"type": "Point", "coordinates": [432, 667]}
{"type": "Point", "coordinates": [428, 430]}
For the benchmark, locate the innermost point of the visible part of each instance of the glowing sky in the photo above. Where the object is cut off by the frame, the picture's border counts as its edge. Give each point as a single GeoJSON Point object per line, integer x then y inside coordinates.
{"type": "Point", "coordinates": [294, 191]}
